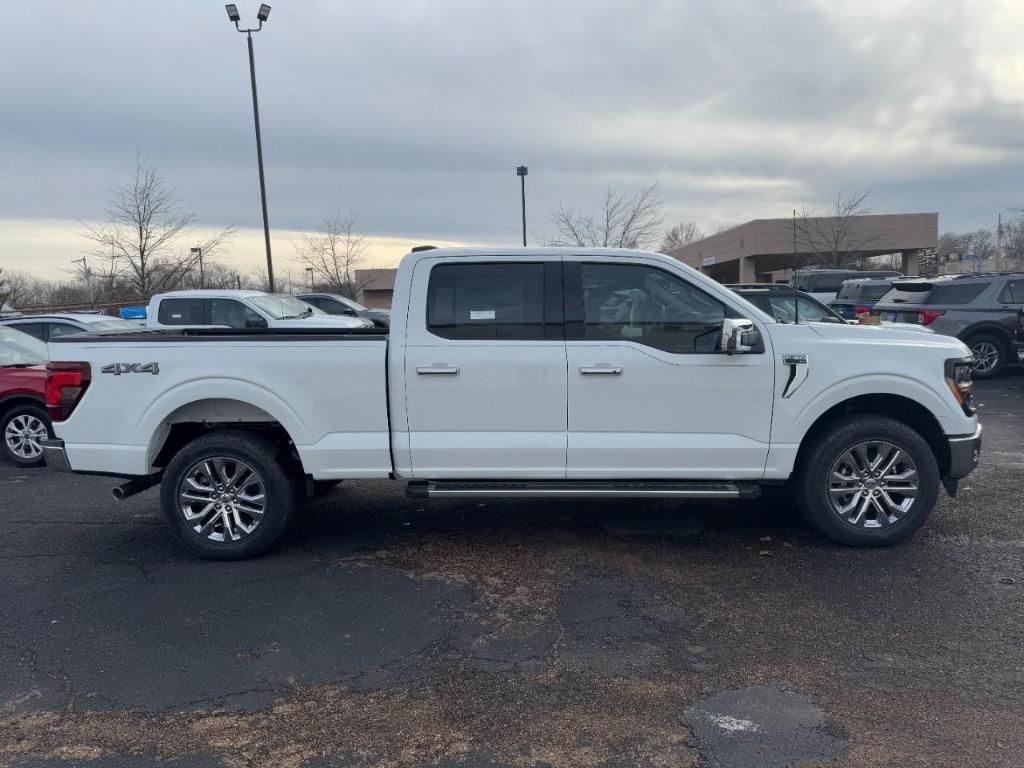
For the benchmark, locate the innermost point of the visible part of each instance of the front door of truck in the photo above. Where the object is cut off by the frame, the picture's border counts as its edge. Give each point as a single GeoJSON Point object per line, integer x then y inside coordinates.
{"type": "Point", "coordinates": [485, 371]}
{"type": "Point", "coordinates": [651, 394]}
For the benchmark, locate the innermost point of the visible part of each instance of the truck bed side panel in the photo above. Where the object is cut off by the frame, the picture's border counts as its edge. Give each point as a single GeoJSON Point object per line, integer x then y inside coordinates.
{"type": "Point", "coordinates": [327, 393]}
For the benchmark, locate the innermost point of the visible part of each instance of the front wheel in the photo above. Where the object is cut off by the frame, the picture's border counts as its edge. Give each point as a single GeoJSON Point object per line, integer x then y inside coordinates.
{"type": "Point", "coordinates": [867, 481]}
{"type": "Point", "coordinates": [226, 496]}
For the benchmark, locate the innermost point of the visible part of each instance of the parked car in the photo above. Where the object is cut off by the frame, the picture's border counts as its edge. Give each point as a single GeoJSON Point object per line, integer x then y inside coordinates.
{"type": "Point", "coordinates": [786, 304]}
{"type": "Point", "coordinates": [240, 309]}
{"type": "Point", "coordinates": [335, 304]}
{"type": "Point", "coordinates": [859, 296]}
{"type": "Point", "coordinates": [525, 372]}
{"type": "Point", "coordinates": [824, 284]}
{"type": "Point", "coordinates": [979, 309]}
{"type": "Point", "coordinates": [50, 326]}
{"type": "Point", "coordinates": [789, 305]}
{"type": "Point", "coordinates": [23, 418]}
{"type": "Point", "coordinates": [1018, 339]}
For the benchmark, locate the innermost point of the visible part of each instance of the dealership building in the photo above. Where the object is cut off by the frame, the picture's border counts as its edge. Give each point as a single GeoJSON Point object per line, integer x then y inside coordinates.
{"type": "Point", "coordinates": [767, 250]}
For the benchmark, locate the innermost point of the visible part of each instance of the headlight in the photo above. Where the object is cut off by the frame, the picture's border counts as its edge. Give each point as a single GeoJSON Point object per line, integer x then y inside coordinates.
{"type": "Point", "coordinates": [958, 379]}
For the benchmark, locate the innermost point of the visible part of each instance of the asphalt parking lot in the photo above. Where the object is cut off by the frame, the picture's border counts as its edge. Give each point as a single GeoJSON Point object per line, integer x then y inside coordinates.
{"type": "Point", "coordinates": [390, 632]}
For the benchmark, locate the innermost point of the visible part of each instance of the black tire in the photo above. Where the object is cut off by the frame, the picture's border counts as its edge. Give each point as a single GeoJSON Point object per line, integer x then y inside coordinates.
{"type": "Point", "coordinates": [815, 474]}
{"type": "Point", "coordinates": [988, 343]}
{"type": "Point", "coordinates": [261, 457]}
{"type": "Point", "coordinates": [21, 412]}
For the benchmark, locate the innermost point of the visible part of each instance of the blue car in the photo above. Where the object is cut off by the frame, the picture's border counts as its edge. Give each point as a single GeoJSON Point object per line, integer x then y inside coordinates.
{"type": "Point", "coordinates": [858, 297]}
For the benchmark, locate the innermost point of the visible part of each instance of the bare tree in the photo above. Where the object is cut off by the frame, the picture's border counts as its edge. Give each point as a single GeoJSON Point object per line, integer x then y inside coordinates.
{"type": "Point", "coordinates": [16, 288]}
{"type": "Point", "coordinates": [681, 234]}
{"type": "Point", "coordinates": [145, 235]}
{"type": "Point", "coordinates": [334, 253]}
{"type": "Point", "coordinates": [834, 239]}
{"type": "Point", "coordinates": [622, 221]}
{"type": "Point", "coordinates": [1013, 244]}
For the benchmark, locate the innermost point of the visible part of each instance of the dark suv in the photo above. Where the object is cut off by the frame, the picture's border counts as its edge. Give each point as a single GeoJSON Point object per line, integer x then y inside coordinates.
{"type": "Point", "coordinates": [981, 310]}
{"type": "Point", "coordinates": [858, 297]}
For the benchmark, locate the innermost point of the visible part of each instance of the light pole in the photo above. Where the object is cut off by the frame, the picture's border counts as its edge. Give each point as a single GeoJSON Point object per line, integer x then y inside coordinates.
{"type": "Point", "coordinates": [261, 16]}
{"type": "Point", "coordinates": [521, 172]}
{"type": "Point", "coordinates": [197, 253]}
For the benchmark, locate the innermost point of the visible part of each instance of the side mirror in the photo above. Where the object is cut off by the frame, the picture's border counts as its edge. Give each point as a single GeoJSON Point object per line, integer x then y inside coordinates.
{"type": "Point", "coordinates": [739, 336]}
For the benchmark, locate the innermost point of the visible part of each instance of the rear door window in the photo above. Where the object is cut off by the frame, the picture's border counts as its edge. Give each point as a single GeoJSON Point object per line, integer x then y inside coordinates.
{"type": "Point", "coordinates": [956, 293]}
{"type": "Point", "coordinates": [37, 330]}
{"type": "Point", "coordinates": [183, 312]}
{"type": "Point", "coordinates": [486, 301]}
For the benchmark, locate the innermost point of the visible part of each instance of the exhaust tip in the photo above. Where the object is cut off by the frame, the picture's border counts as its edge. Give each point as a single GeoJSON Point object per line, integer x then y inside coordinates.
{"type": "Point", "coordinates": [119, 493]}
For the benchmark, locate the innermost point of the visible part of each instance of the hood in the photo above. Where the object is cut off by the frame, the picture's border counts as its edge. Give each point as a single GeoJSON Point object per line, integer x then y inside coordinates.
{"type": "Point", "coordinates": [881, 334]}
{"type": "Point", "coordinates": [320, 321]}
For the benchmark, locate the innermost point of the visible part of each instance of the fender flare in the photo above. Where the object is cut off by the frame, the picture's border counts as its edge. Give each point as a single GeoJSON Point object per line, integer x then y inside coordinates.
{"type": "Point", "coordinates": [223, 388]}
{"type": "Point", "coordinates": [874, 384]}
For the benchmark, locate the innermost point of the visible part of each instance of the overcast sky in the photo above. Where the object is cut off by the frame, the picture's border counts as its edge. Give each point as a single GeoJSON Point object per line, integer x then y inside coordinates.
{"type": "Point", "coordinates": [416, 113]}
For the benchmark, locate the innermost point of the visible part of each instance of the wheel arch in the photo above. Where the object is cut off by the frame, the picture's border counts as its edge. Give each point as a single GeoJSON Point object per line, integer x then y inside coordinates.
{"type": "Point", "coordinates": [896, 407]}
{"type": "Point", "coordinates": [990, 328]}
{"type": "Point", "coordinates": [7, 402]}
{"type": "Point", "coordinates": [194, 418]}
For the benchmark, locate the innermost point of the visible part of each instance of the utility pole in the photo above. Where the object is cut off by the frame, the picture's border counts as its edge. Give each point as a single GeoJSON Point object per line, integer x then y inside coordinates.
{"type": "Point", "coordinates": [521, 172]}
{"type": "Point", "coordinates": [197, 252]}
{"type": "Point", "coordinates": [999, 243]}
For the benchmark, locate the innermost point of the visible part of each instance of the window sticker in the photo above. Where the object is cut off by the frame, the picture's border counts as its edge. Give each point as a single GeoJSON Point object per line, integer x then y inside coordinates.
{"type": "Point", "coordinates": [481, 314]}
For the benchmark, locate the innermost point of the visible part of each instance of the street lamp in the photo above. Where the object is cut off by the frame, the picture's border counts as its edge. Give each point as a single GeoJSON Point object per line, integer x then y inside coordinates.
{"type": "Point", "coordinates": [197, 253]}
{"type": "Point", "coordinates": [521, 172]}
{"type": "Point", "coordinates": [261, 16]}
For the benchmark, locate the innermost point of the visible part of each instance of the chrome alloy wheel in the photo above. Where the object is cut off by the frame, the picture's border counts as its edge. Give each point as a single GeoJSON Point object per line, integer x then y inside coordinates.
{"type": "Point", "coordinates": [222, 499]}
{"type": "Point", "coordinates": [873, 484]}
{"type": "Point", "coordinates": [22, 436]}
{"type": "Point", "coordinates": [986, 356]}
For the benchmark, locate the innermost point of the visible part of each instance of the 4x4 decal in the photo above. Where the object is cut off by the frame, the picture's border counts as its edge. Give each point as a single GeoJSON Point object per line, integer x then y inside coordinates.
{"type": "Point", "coordinates": [118, 368]}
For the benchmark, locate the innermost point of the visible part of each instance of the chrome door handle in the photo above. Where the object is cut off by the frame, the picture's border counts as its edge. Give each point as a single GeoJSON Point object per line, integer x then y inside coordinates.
{"type": "Point", "coordinates": [428, 370]}
{"type": "Point", "coordinates": [604, 370]}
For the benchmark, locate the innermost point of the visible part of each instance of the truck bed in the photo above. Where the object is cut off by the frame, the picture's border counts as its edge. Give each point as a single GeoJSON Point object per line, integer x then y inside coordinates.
{"type": "Point", "coordinates": [327, 388]}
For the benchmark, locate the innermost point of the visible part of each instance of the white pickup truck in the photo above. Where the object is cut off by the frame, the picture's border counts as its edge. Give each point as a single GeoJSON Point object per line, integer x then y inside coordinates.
{"type": "Point", "coordinates": [523, 372]}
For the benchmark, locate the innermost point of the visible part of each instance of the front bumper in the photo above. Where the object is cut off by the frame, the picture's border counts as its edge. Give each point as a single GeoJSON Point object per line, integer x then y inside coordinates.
{"type": "Point", "coordinates": [964, 454]}
{"type": "Point", "coordinates": [54, 455]}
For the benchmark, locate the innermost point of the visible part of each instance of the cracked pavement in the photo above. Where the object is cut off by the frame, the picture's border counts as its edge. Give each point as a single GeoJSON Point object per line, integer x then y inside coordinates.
{"type": "Point", "coordinates": [462, 634]}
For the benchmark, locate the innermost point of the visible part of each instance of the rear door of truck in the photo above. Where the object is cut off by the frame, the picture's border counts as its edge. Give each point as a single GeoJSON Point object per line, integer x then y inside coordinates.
{"type": "Point", "coordinates": [485, 369]}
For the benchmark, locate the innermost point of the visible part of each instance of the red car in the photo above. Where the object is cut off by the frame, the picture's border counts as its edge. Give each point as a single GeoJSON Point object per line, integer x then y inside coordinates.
{"type": "Point", "coordinates": [23, 419]}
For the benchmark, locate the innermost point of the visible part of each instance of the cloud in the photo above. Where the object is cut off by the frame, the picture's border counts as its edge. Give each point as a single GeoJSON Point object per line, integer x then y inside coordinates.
{"type": "Point", "coordinates": [417, 113]}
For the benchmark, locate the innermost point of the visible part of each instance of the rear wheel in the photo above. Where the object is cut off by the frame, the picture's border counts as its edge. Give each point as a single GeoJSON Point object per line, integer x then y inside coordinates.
{"type": "Point", "coordinates": [868, 481]}
{"type": "Point", "coordinates": [226, 496]}
{"type": "Point", "coordinates": [21, 429]}
{"type": "Point", "coordinates": [990, 355]}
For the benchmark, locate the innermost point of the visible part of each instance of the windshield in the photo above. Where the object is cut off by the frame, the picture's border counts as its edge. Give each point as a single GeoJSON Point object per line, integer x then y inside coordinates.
{"type": "Point", "coordinates": [281, 306]}
{"type": "Point", "coordinates": [348, 302]}
{"type": "Point", "coordinates": [784, 310]}
{"type": "Point", "coordinates": [20, 349]}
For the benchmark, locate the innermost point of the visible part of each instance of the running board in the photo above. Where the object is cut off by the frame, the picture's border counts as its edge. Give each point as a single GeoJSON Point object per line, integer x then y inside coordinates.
{"type": "Point", "coordinates": [656, 489]}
